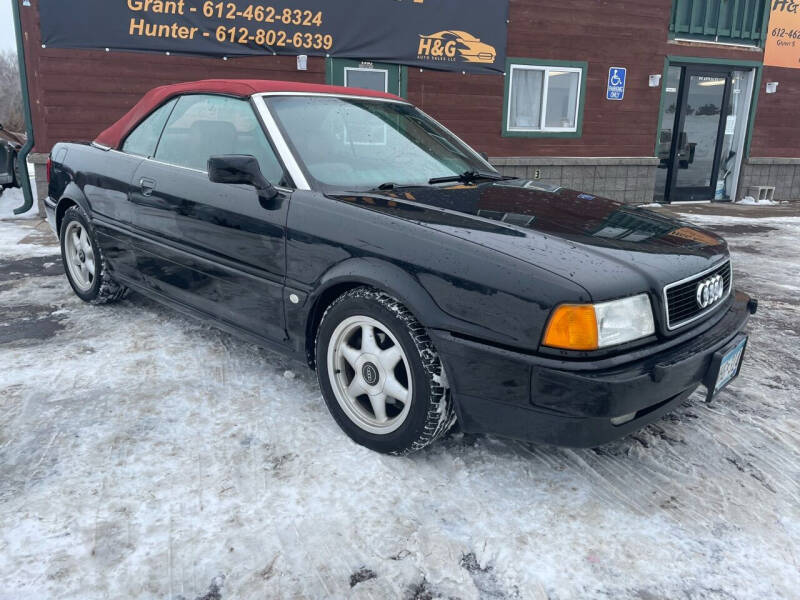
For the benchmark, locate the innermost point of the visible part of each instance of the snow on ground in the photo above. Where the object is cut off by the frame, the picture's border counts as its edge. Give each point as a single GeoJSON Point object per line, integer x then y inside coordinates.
{"type": "Point", "coordinates": [757, 202]}
{"type": "Point", "coordinates": [12, 198]}
{"type": "Point", "coordinates": [12, 236]}
{"type": "Point", "coordinates": [144, 455]}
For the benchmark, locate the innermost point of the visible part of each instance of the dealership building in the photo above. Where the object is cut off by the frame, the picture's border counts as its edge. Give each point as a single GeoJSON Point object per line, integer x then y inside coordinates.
{"type": "Point", "coordinates": [656, 100]}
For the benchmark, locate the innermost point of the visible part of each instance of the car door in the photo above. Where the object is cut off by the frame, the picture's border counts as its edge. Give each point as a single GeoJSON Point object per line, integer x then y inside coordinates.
{"type": "Point", "coordinates": [108, 191]}
{"type": "Point", "coordinates": [213, 247]}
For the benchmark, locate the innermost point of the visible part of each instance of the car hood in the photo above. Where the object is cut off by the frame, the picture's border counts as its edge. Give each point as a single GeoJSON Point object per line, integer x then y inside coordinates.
{"type": "Point", "coordinates": [603, 245]}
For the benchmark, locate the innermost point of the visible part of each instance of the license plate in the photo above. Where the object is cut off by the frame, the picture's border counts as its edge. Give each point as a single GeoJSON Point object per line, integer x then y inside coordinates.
{"type": "Point", "coordinates": [725, 367]}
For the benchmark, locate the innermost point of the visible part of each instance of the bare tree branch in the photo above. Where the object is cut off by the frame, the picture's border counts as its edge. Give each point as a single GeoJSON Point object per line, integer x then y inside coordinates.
{"type": "Point", "coordinates": [10, 93]}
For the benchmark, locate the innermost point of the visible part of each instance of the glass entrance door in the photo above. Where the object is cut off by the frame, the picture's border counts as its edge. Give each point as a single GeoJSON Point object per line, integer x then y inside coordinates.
{"type": "Point", "coordinates": [697, 148]}
{"type": "Point", "coordinates": [704, 122]}
{"type": "Point", "coordinates": [666, 132]}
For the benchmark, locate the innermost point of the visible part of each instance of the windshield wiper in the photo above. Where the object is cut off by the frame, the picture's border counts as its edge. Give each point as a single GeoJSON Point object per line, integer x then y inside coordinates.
{"type": "Point", "coordinates": [468, 177]}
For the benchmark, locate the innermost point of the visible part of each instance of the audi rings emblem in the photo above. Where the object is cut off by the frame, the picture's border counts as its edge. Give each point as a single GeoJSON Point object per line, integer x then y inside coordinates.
{"type": "Point", "coordinates": [710, 291]}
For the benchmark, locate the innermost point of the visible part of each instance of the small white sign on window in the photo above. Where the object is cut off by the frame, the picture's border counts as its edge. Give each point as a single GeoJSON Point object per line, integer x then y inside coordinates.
{"type": "Point", "coordinates": [730, 125]}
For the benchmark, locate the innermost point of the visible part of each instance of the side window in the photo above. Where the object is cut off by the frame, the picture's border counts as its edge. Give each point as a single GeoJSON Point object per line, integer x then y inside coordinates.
{"type": "Point", "coordinates": [142, 140]}
{"type": "Point", "coordinates": [204, 126]}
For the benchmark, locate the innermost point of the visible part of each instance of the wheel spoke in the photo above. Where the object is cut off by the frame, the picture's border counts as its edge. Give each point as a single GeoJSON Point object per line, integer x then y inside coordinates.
{"type": "Point", "coordinates": [354, 390]}
{"type": "Point", "coordinates": [90, 265]}
{"type": "Point", "coordinates": [390, 357]}
{"type": "Point", "coordinates": [76, 241]}
{"type": "Point", "coordinates": [350, 354]}
{"type": "Point", "coordinates": [378, 402]}
{"type": "Point", "coordinates": [85, 245]}
{"type": "Point", "coordinates": [368, 342]}
{"type": "Point", "coordinates": [394, 389]}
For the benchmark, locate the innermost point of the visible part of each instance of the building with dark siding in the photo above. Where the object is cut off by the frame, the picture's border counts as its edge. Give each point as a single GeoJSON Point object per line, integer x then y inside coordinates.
{"type": "Point", "coordinates": [695, 122]}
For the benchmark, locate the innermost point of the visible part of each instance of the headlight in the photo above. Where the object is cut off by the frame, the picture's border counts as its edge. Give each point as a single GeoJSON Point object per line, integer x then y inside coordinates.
{"type": "Point", "coordinates": [594, 326]}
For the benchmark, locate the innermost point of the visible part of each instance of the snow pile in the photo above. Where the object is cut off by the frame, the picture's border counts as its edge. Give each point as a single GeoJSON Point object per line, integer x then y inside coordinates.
{"type": "Point", "coordinates": [13, 198]}
{"type": "Point", "coordinates": [19, 242]}
{"type": "Point", "coordinates": [762, 202]}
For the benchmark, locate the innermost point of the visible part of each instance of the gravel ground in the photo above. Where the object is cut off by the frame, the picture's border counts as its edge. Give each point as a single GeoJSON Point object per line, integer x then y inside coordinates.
{"type": "Point", "coordinates": [144, 455]}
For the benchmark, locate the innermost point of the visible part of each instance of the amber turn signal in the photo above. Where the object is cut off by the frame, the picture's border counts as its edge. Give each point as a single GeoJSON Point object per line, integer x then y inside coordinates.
{"type": "Point", "coordinates": [572, 327]}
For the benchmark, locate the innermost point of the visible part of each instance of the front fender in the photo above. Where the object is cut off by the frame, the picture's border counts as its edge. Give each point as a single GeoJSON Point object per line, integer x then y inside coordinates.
{"type": "Point", "coordinates": [303, 317]}
{"type": "Point", "coordinates": [388, 277]}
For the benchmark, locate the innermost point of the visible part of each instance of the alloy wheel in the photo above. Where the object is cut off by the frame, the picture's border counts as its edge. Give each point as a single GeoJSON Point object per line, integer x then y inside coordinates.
{"type": "Point", "coordinates": [370, 375]}
{"type": "Point", "coordinates": [79, 256]}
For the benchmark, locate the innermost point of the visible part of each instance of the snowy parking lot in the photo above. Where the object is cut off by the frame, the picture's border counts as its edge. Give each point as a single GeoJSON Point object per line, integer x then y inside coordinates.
{"type": "Point", "coordinates": [145, 455]}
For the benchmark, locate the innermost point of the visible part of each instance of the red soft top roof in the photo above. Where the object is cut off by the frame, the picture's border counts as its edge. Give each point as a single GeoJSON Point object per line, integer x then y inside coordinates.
{"type": "Point", "coordinates": [242, 88]}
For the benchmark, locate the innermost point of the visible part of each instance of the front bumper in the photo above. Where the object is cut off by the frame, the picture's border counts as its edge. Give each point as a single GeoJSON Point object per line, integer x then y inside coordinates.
{"type": "Point", "coordinates": [572, 403]}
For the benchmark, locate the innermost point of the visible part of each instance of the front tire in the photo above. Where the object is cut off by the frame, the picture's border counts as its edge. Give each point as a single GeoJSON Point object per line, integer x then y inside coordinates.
{"type": "Point", "coordinates": [84, 264]}
{"type": "Point", "coordinates": [380, 375]}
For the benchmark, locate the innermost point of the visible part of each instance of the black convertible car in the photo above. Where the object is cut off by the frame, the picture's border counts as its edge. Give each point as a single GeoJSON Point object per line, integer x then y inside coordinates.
{"type": "Point", "coordinates": [349, 229]}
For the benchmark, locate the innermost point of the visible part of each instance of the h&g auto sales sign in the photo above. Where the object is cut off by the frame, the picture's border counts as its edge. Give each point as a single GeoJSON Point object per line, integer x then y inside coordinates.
{"type": "Point", "coordinates": [782, 46]}
{"type": "Point", "coordinates": [453, 35]}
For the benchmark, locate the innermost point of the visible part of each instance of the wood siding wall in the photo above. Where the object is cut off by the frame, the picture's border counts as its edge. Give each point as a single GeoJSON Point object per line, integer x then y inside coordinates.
{"type": "Point", "coordinates": [777, 127]}
{"type": "Point", "coordinates": [76, 94]}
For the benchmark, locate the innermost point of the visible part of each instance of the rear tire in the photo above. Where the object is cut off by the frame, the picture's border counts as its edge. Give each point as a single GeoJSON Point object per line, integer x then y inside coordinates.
{"type": "Point", "coordinates": [84, 263]}
{"type": "Point", "coordinates": [380, 375]}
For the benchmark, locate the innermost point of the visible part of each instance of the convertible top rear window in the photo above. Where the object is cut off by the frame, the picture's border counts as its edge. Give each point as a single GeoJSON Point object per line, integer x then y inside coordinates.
{"type": "Point", "coordinates": [142, 141]}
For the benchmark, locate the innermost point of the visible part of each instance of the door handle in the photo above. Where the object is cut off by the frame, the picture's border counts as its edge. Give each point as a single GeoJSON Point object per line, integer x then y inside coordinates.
{"type": "Point", "coordinates": [147, 186]}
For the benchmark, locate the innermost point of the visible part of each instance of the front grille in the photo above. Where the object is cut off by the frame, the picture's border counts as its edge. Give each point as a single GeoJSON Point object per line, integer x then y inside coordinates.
{"type": "Point", "coordinates": [681, 297]}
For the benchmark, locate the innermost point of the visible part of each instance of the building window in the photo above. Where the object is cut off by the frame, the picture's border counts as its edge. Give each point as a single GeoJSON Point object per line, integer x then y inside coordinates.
{"type": "Point", "coordinates": [730, 21]}
{"type": "Point", "coordinates": [383, 77]}
{"type": "Point", "coordinates": [544, 99]}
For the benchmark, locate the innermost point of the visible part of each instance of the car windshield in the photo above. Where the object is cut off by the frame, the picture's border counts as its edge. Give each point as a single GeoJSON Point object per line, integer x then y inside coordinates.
{"type": "Point", "coordinates": [355, 144]}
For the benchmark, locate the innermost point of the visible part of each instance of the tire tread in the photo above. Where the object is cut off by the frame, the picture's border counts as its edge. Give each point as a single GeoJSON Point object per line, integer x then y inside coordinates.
{"type": "Point", "coordinates": [110, 291]}
{"type": "Point", "coordinates": [441, 413]}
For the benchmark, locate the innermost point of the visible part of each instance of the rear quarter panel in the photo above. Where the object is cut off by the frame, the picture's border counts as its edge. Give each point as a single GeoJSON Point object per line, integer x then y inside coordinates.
{"type": "Point", "coordinates": [99, 181]}
{"type": "Point", "coordinates": [103, 178]}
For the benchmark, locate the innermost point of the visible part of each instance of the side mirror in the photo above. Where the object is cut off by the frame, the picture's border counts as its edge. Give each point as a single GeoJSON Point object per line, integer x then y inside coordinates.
{"type": "Point", "coordinates": [484, 156]}
{"type": "Point", "coordinates": [240, 169]}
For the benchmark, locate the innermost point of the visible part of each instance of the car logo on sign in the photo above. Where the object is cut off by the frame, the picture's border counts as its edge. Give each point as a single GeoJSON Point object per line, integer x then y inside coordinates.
{"type": "Point", "coordinates": [710, 291]}
{"type": "Point", "coordinates": [451, 45]}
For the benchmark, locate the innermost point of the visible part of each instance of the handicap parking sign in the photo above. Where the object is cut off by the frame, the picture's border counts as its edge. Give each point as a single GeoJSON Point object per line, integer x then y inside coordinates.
{"type": "Point", "coordinates": [616, 83]}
